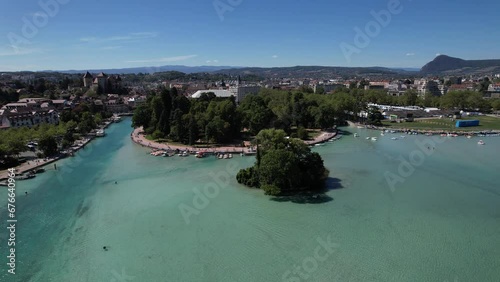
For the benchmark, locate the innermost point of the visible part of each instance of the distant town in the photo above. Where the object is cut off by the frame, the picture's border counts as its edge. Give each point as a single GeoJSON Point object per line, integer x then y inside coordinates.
{"type": "Point", "coordinates": [28, 99]}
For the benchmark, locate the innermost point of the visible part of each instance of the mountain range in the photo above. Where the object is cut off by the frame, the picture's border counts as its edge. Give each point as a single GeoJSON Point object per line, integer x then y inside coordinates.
{"type": "Point", "coordinates": [441, 65]}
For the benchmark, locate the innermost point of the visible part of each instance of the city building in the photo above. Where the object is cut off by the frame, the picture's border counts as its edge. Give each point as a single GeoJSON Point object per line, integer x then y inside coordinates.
{"type": "Point", "coordinates": [27, 117]}
{"type": "Point", "coordinates": [240, 92]}
{"type": "Point", "coordinates": [218, 93]}
{"type": "Point", "coordinates": [326, 87]}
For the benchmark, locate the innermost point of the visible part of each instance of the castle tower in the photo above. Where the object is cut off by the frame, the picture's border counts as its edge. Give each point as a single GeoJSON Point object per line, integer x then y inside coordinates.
{"type": "Point", "coordinates": [102, 81]}
{"type": "Point", "coordinates": [87, 80]}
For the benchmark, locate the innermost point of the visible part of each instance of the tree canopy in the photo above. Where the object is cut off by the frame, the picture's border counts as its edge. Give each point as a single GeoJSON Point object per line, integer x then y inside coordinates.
{"type": "Point", "coordinates": [284, 166]}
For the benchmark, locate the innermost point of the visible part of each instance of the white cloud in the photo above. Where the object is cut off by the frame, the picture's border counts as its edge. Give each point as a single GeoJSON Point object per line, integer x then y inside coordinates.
{"type": "Point", "coordinates": [275, 56]}
{"type": "Point", "coordinates": [164, 60]}
{"type": "Point", "coordinates": [212, 61]}
{"type": "Point", "coordinates": [16, 51]}
{"type": "Point", "coordinates": [130, 36]}
{"type": "Point", "coordinates": [410, 54]}
{"type": "Point", "coordinates": [111, 47]}
{"type": "Point", "coordinates": [88, 39]}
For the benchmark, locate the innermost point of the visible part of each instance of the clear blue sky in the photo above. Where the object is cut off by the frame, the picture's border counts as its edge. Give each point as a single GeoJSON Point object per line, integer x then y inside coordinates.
{"type": "Point", "coordinates": [116, 34]}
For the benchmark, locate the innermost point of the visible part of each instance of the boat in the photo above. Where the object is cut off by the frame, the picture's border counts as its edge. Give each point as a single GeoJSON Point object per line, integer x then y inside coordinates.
{"type": "Point", "coordinates": [356, 135]}
{"type": "Point", "coordinates": [220, 156]}
{"type": "Point", "coordinates": [157, 153]}
{"type": "Point", "coordinates": [183, 154]}
{"type": "Point", "coordinates": [100, 133]}
{"type": "Point", "coordinates": [167, 154]}
{"type": "Point", "coordinates": [394, 138]}
{"type": "Point", "coordinates": [469, 137]}
{"type": "Point", "coordinates": [200, 155]}
{"type": "Point", "coordinates": [359, 126]}
{"type": "Point", "coordinates": [367, 138]}
{"type": "Point", "coordinates": [230, 156]}
{"type": "Point", "coordinates": [116, 118]}
{"type": "Point", "coordinates": [481, 142]}
{"type": "Point", "coordinates": [374, 138]}
{"type": "Point", "coordinates": [39, 170]}
{"type": "Point", "coordinates": [24, 176]}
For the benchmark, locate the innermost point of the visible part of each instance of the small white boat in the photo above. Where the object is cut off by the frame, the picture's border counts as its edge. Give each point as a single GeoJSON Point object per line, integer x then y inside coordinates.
{"type": "Point", "coordinates": [100, 133]}
{"type": "Point", "coordinates": [374, 138]}
{"type": "Point", "coordinates": [469, 137]}
{"type": "Point", "coordinates": [394, 138]}
{"type": "Point", "coordinates": [403, 137]}
{"type": "Point", "coordinates": [230, 156]}
{"type": "Point", "coordinates": [356, 135]}
{"type": "Point", "coordinates": [367, 138]}
{"type": "Point", "coordinates": [183, 154]}
{"type": "Point", "coordinates": [359, 126]}
{"type": "Point", "coordinates": [481, 142]}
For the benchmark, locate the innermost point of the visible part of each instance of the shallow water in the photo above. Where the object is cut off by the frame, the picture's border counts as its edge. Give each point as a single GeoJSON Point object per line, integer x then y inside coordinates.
{"type": "Point", "coordinates": [186, 219]}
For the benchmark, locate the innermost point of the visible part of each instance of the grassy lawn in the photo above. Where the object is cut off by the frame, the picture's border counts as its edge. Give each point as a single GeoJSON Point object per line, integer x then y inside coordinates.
{"type": "Point", "coordinates": [313, 133]}
{"type": "Point", "coordinates": [486, 123]}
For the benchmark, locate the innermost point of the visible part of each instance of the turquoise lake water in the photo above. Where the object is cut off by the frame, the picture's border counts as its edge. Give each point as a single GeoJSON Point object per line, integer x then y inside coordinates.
{"type": "Point", "coordinates": [187, 219]}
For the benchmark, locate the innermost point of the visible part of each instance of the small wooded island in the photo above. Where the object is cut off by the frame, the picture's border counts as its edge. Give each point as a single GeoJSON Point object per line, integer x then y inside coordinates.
{"type": "Point", "coordinates": [284, 166]}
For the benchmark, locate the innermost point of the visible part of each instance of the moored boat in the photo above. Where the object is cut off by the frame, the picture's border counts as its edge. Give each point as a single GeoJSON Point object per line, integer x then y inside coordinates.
{"type": "Point", "coordinates": [100, 133]}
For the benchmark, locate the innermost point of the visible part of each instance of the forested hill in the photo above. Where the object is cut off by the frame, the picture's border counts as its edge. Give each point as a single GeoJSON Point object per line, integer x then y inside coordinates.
{"type": "Point", "coordinates": [316, 72]}
{"type": "Point", "coordinates": [449, 65]}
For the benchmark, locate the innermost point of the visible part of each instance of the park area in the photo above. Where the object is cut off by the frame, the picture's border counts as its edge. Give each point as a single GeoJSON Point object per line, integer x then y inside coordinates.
{"type": "Point", "coordinates": [485, 123]}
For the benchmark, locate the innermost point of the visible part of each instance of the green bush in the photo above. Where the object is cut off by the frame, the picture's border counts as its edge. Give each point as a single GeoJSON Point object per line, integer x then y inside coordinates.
{"type": "Point", "coordinates": [157, 135]}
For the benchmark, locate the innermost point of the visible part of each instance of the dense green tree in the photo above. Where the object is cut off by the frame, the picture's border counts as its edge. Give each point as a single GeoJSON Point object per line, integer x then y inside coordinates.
{"type": "Point", "coordinates": [142, 116]}
{"type": "Point", "coordinates": [302, 133]}
{"type": "Point", "coordinates": [284, 166]}
{"type": "Point", "coordinates": [48, 145]}
{"type": "Point", "coordinates": [375, 117]}
{"type": "Point", "coordinates": [409, 98]}
{"type": "Point", "coordinates": [496, 104]}
{"type": "Point", "coordinates": [255, 114]}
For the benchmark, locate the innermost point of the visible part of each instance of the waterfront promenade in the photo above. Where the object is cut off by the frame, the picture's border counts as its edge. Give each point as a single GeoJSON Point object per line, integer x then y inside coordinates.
{"type": "Point", "coordinates": [139, 138]}
{"type": "Point", "coordinates": [41, 162]}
